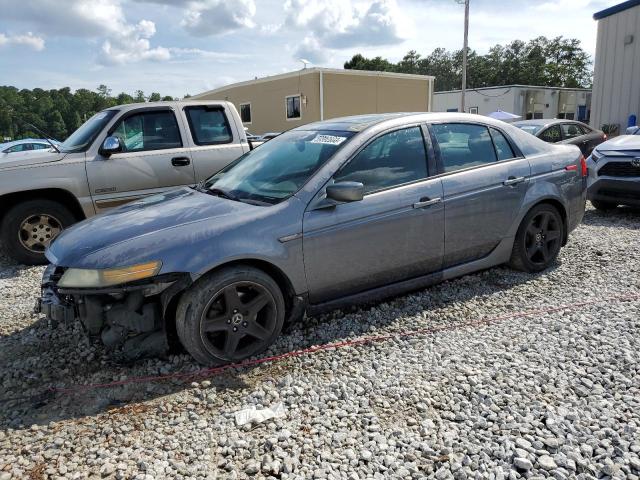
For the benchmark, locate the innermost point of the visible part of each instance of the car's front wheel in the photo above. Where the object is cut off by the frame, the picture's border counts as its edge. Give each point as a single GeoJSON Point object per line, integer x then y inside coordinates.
{"type": "Point", "coordinates": [603, 206]}
{"type": "Point", "coordinates": [538, 240]}
{"type": "Point", "coordinates": [229, 315]}
{"type": "Point", "coordinates": [28, 229]}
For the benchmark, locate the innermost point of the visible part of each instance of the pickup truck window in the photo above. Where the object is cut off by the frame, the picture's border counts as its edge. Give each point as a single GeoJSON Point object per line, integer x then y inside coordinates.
{"type": "Point", "coordinates": [208, 125]}
{"type": "Point", "coordinates": [151, 130]}
{"type": "Point", "coordinates": [83, 137]}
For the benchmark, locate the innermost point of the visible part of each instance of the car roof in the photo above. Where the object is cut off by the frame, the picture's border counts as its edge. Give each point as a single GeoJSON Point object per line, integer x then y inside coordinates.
{"type": "Point", "coordinates": [358, 123]}
{"type": "Point", "coordinates": [543, 122]}
{"type": "Point", "coordinates": [172, 103]}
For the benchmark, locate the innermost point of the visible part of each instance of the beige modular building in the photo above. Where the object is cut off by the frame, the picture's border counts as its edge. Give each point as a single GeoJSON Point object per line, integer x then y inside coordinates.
{"type": "Point", "coordinates": [616, 72]}
{"type": "Point", "coordinates": [281, 102]}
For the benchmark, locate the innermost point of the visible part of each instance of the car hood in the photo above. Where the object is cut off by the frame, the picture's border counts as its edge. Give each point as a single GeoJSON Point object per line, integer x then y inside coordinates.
{"type": "Point", "coordinates": [142, 230]}
{"type": "Point", "coordinates": [33, 157]}
{"type": "Point", "coordinates": [622, 142]}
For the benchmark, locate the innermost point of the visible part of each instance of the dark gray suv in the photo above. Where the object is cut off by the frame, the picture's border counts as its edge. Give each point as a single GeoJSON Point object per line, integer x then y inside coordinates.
{"type": "Point", "coordinates": [338, 212]}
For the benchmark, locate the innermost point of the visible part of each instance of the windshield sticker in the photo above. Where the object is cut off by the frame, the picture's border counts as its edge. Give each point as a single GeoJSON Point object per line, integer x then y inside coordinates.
{"type": "Point", "coordinates": [328, 139]}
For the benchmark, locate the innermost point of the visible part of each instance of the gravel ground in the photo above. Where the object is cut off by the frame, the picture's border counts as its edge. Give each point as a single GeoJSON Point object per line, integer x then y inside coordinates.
{"type": "Point", "coordinates": [552, 395]}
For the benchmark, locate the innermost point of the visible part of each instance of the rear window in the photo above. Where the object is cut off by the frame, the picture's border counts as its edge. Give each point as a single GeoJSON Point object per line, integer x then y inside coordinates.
{"type": "Point", "coordinates": [463, 145]}
{"type": "Point", "coordinates": [208, 125]}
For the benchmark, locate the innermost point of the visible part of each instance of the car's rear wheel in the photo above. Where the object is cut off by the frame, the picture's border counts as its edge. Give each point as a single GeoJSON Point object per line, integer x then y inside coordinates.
{"type": "Point", "coordinates": [29, 228]}
{"type": "Point", "coordinates": [538, 240]}
{"type": "Point", "coordinates": [604, 206]}
{"type": "Point", "coordinates": [230, 315]}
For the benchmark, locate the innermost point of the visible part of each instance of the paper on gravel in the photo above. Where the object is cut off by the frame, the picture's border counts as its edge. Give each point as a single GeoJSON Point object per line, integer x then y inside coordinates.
{"type": "Point", "coordinates": [252, 414]}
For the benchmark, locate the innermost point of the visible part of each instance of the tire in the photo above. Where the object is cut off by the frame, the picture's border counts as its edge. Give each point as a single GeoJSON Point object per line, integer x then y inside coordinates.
{"type": "Point", "coordinates": [538, 240]}
{"type": "Point", "coordinates": [25, 244]}
{"type": "Point", "coordinates": [603, 206]}
{"type": "Point", "coordinates": [242, 308]}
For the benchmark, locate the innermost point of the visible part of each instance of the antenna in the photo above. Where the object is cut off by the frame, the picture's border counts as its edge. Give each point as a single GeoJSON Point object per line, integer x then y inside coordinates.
{"type": "Point", "coordinates": [305, 62]}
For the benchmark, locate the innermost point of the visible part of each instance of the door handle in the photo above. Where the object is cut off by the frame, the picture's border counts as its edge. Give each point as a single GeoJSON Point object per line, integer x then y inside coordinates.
{"type": "Point", "coordinates": [180, 161]}
{"type": "Point", "coordinates": [513, 181]}
{"type": "Point", "coordinates": [426, 201]}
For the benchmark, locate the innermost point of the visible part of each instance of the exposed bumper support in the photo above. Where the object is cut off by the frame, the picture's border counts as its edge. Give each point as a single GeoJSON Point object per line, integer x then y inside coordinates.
{"type": "Point", "coordinates": [131, 317]}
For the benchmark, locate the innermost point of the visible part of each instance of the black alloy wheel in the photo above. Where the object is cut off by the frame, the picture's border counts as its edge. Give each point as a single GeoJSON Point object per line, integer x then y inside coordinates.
{"type": "Point", "coordinates": [538, 240]}
{"type": "Point", "coordinates": [229, 315]}
{"type": "Point", "coordinates": [542, 238]}
{"type": "Point", "coordinates": [237, 319]}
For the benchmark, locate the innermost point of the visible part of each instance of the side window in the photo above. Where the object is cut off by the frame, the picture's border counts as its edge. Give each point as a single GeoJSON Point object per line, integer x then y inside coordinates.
{"type": "Point", "coordinates": [392, 159]}
{"type": "Point", "coordinates": [551, 134]}
{"type": "Point", "coordinates": [245, 112]}
{"type": "Point", "coordinates": [41, 146]}
{"type": "Point", "coordinates": [209, 125]}
{"type": "Point", "coordinates": [153, 130]}
{"type": "Point", "coordinates": [570, 130]}
{"type": "Point", "coordinates": [584, 129]}
{"type": "Point", "coordinates": [463, 145]}
{"type": "Point", "coordinates": [16, 148]}
{"type": "Point", "coordinates": [293, 107]}
{"type": "Point", "coordinates": [503, 148]}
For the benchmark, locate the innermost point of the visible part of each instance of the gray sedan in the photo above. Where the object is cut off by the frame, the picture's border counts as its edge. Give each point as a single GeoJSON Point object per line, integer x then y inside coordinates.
{"type": "Point", "coordinates": [345, 211]}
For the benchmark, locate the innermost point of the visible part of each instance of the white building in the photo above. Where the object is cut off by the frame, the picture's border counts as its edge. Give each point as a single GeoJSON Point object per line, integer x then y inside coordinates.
{"type": "Point", "coordinates": [616, 77]}
{"type": "Point", "coordinates": [524, 100]}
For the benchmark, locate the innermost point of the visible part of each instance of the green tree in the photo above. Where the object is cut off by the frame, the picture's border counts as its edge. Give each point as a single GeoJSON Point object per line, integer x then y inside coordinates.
{"type": "Point", "coordinates": [138, 96]}
{"type": "Point", "coordinates": [155, 97]}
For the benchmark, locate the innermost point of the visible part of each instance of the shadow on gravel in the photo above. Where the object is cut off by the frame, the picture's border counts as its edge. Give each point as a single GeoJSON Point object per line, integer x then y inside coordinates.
{"type": "Point", "coordinates": [621, 217]}
{"type": "Point", "coordinates": [38, 357]}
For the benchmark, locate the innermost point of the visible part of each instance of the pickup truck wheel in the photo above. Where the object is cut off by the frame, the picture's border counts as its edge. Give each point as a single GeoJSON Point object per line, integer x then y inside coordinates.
{"type": "Point", "coordinates": [538, 240]}
{"type": "Point", "coordinates": [230, 315]}
{"type": "Point", "coordinates": [29, 228]}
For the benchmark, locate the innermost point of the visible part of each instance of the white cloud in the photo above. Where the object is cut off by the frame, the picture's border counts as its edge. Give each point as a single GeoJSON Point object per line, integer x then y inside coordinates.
{"type": "Point", "coordinates": [123, 42]}
{"type": "Point", "coordinates": [310, 49]}
{"type": "Point", "coordinates": [29, 40]}
{"type": "Point", "coordinates": [340, 24]}
{"type": "Point", "coordinates": [215, 17]}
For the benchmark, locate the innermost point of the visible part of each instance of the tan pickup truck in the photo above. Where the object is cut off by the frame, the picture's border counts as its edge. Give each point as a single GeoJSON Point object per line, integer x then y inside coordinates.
{"type": "Point", "coordinates": [120, 154]}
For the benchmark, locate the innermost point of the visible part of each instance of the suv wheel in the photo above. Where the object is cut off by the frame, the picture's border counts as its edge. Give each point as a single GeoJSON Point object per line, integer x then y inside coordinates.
{"type": "Point", "coordinates": [538, 240]}
{"type": "Point", "coordinates": [29, 228]}
{"type": "Point", "coordinates": [603, 206]}
{"type": "Point", "coordinates": [230, 315]}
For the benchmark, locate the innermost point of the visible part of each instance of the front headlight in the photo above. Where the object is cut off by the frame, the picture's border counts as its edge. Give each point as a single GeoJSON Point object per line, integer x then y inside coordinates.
{"type": "Point", "coordinates": [595, 155]}
{"type": "Point", "coordinates": [85, 278]}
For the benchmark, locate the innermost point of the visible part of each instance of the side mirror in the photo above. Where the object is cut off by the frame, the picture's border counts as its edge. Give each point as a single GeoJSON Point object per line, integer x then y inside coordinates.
{"type": "Point", "coordinates": [110, 145]}
{"type": "Point", "coordinates": [346, 191]}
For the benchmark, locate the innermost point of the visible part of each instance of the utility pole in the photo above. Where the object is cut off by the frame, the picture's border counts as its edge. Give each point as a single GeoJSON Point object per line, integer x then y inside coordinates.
{"type": "Point", "coordinates": [464, 55]}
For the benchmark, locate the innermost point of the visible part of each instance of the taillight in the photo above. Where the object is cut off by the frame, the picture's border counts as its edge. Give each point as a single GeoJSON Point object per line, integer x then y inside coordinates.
{"type": "Point", "coordinates": [583, 166]}
{"type": "Point", "coordinates": [604, 136]}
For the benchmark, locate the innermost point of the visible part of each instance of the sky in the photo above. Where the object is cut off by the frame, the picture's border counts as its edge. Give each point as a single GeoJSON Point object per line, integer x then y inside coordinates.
{"type": "Point", "coordinates": [176, 47]}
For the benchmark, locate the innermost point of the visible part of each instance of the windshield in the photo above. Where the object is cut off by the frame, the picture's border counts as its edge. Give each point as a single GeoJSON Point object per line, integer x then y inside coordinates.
{"type": "Point", "coordinates": [529, 128]}
{"type": "Point", "coordinates": [279, 168]}
{"type": "Point", "coordinates": [83, 137]}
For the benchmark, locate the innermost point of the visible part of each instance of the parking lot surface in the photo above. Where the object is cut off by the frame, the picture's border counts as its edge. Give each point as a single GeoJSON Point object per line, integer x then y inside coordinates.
{"type": "Point", "coordinates": [555, 393]}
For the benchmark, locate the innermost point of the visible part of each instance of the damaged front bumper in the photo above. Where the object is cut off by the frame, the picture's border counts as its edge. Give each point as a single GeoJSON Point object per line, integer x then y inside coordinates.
{"type": "Point", "coordinates": [132, 317]}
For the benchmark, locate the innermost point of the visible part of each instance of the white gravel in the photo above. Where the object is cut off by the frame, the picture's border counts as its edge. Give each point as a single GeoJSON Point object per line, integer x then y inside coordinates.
{"type": "Point", "coordinates": [555, 395]}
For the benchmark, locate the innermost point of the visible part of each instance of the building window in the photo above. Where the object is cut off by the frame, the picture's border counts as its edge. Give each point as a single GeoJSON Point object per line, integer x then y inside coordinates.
{"type": "Point", "coordinates": [293, 107]}
{"type": "Point", "coordinates": [245, 112]}
{"type": "Point", "coordinates": [473, 110]}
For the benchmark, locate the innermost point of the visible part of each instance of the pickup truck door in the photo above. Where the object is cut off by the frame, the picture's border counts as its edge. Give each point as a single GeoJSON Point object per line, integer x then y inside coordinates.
{"type": "Point", "coordinates": [215, 138]}
{"type": "Point", "coordinates": [154, 158]}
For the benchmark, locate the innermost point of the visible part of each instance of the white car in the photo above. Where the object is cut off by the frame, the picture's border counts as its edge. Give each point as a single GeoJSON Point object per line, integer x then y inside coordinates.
{"type": "Point", "coordinates": [26, 145]}
{"type": "Point", "coordinates": [614, 172]}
